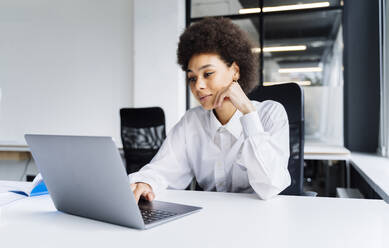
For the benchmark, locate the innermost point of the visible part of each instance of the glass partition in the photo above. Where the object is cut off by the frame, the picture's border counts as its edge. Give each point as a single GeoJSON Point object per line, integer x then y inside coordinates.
{"type": "Point", "coordinates": [307, 48]}
{"type": "Point", "coordinates": [302, 42]}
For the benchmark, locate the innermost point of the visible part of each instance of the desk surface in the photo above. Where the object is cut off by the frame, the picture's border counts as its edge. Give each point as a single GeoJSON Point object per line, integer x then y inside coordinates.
{"type": "Point", "coordinates": [14, 148]}
{"type": "Point", "coordinates": [227, 220]}
{"type": "Point", "coordinates": [313, 150]}
{"type": "Point", "coordinates": [21, 148]}
{"type": "Point", "coordinates": [14, 152]}
{"type": "Point", "coordinates": [375, 170]}
{"type": "Point", "coordinates": [321, 151]}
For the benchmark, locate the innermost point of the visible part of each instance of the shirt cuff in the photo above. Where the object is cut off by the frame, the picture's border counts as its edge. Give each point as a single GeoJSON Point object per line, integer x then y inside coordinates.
{"type": "Point", "coordinates": [251, 124]}
{"type": "Point", "coordinates": [139, 178]}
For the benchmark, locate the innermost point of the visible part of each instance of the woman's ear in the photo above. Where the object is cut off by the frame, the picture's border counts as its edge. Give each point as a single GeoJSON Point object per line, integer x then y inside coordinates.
{"type": "Point", "coordinates": [235, 71]}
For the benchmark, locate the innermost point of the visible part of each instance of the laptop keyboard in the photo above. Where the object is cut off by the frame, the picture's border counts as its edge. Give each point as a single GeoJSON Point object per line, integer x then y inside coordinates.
{"type": "Point", "coordinates": [151, 215]}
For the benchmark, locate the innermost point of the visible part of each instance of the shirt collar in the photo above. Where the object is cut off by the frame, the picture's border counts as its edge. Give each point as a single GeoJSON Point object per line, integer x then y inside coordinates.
{"type": "Point", "coordinates": [233, 125]}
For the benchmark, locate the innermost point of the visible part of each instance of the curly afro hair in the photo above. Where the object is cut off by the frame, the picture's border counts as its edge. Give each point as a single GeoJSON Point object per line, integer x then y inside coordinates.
{"type": "Point", "coordinates": [222, 37]}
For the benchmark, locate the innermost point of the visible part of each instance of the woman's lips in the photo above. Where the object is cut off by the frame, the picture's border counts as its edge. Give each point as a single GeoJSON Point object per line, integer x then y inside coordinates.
{"type": "Point", "coordinates": [204, 98]}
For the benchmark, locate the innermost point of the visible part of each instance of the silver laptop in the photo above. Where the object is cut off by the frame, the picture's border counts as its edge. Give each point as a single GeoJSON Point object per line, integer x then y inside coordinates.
{"type": "Point", "coordinates": [85, 176]}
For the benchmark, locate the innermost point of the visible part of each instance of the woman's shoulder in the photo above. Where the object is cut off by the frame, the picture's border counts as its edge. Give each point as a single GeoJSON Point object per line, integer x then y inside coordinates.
{"type": "Point", "coordinates": [192, 119]}
{"type": "Point", "coordinates": [193, 116]}
{"type": "Point", "coordinates": [267, 104]}
{"type": "Point", "coordinates": [269, 108]}
{"type": "Point", "coordinates": [196, 113]}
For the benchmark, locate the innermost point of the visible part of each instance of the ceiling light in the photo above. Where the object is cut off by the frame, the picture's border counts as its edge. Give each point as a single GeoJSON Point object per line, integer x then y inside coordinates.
{"type": "Point", "coordinates": [285, 48]}
{"type": "Point", "coordinates": [285, 7]}
{"type": "Point", "coordinates": [250, 10]}
{"type": "Point", "coordinates": [280, 49]}
{"type": "Point", "coordinates": [296, 6]}
{"type": "Point", "coordinates": [302, 83]}
{"type": "Point", "coordinates": [303, 69]}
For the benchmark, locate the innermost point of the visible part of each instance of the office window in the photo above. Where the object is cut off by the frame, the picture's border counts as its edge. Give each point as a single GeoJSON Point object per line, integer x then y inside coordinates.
{"type": "Point", "coordinates": [307, 48]}
{"type": "Point", "coordinates": [383, 148]}
{"type": "Point", "coordinates": [302, 42]}
{"type": "Point", "coordinates": [203, 8]}
{"type": "Point", "coordinates": [279, 5]}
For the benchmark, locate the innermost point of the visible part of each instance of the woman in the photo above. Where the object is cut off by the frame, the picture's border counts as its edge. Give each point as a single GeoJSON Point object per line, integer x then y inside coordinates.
{"type": "Point", "coordinates": [229, 143]}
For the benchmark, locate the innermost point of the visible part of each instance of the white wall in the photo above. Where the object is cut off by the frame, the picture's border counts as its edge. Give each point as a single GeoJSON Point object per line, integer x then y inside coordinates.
{"type": "Point", "coordinates": [65, 67]}
{"type": "Point", "coordinates": [158, 80]}
{"type": "Point", "coordinates": [77, 62]}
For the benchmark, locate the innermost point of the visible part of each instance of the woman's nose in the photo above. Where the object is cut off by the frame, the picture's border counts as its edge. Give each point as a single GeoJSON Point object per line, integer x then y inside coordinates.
{"type": "Point", "coordinates": [200, 84]}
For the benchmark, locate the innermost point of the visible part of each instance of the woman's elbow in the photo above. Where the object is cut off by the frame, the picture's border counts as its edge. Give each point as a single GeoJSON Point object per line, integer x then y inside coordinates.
{"type": "Point", "coordinates": [273, 188]}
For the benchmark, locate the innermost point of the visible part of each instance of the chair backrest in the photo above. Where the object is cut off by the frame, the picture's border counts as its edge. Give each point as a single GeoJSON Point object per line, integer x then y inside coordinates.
{"type": "Point", "coordinates": [142, 132]}
{"type": "Point", "coordinates": [291, 96]}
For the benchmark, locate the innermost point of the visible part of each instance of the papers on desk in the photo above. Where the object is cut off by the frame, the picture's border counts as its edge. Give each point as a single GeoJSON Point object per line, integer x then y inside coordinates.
{"type": "Point", "coordinates": [8, 197]}
{"type": "Point", "coordinates": [14, 190]}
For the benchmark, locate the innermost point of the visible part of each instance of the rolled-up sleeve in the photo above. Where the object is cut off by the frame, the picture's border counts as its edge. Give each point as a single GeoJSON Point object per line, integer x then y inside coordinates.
{"type": "Point", "coordinates": [265, 150]}
{"type": "Point", "coordinates": [170, 165]}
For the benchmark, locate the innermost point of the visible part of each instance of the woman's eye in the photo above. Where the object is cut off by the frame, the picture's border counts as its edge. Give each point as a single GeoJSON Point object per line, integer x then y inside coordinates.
{"type": "Point", "coordinates": [191, 79]}
{"type": "Point", "coordinates": [207, 74]}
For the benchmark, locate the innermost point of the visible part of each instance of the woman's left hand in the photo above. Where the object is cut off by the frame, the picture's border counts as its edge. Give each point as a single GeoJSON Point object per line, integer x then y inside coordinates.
{"type": "Point", "coordinates": [235, 94]}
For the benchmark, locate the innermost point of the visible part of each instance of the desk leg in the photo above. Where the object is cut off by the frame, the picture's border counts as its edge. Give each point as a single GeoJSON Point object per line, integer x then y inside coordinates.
{"type": "Point", "coordinates": [327, 166]}
{"type": "Point", "coordinates": [193, 184]}
{"type": "Point", "coordinates": [347, 173]}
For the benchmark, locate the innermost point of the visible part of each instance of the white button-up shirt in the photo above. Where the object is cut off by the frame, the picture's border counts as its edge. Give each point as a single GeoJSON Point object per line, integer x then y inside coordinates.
{"type": "Point", "coordinates": [249, 153]}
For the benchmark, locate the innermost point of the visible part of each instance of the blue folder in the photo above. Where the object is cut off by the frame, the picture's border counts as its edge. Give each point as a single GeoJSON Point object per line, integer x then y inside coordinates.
{"type": "Point", "coordinates": [40, 189]}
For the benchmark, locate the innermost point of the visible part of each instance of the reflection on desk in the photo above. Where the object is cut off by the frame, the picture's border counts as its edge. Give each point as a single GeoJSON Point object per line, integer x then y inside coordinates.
{"type": "Point", "coordinates": [227, 220]}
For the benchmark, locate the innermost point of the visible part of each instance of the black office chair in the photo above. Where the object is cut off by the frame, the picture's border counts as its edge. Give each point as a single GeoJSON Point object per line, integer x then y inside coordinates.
{"type": "Point", "coordinates": [142, 132]}
{"type": "Point", "coordinates": [291, 96]}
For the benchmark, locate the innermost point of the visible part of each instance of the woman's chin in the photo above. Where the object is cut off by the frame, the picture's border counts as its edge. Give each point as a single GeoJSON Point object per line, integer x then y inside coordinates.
{"type": "Point", "coordinates": [207, 106]}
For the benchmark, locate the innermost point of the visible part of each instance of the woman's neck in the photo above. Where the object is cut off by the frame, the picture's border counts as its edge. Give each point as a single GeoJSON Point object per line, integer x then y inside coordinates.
{"type": "Point", "coordinates": [225, 112]}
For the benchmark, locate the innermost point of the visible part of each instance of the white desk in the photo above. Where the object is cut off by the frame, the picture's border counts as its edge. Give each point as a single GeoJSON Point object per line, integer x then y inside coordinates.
{"type": "Point", "coordinates": [316, 150]}
{"type": "Point", "coordinates": [14, 152]}
{"type": "Point", "coordinates": [227, 220]}
{"type": "Point", "coordinates": [375, 170]}
{"type": "Point", "coordinates": [321, 151]}
{"type": "Point", "coordinates": [20, 152]}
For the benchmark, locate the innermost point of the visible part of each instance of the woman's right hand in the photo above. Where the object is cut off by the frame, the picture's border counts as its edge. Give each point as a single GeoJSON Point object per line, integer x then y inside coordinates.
{"type": "Point", "coordinates": [143, 190]}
